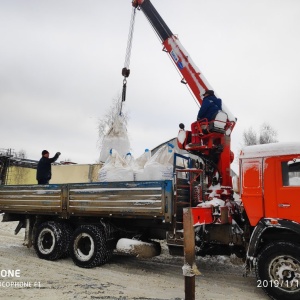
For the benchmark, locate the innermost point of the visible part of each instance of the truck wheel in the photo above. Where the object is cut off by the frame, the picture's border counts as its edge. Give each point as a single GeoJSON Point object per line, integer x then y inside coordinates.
{"type": "Point", "coordinates": [49, 241]}
{"type": "Point", "coordinates": [88, 247]}
{"type": "Point", "coordinates": [278, 270]}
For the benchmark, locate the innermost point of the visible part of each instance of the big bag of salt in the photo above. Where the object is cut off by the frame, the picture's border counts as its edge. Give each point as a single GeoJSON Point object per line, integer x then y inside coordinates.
{"type": "Point", "coordinates": [142, 160]}
{"type": "Point", "coordinates": [159, 166]}
{"type": "Point", "coordinates": [115, 169]}
{"type": "Point", "coordinates": [116, 138]}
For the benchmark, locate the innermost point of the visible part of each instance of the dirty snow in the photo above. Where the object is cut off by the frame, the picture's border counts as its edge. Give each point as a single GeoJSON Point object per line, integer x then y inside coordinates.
{"type": "Point", "coordinates": [136, 248]}
{"type": "Point", "coordinates": [124, 278]}
{"type": "Point", "coordinates": [213, 202]}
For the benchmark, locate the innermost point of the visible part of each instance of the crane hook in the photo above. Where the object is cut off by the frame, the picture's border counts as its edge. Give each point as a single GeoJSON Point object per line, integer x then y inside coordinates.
{"type": "Point", "coordinates": [124, 89]}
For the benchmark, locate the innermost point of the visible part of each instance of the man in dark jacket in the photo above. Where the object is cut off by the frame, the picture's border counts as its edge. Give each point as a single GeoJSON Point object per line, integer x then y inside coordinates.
{"type": "Point", "coordinates": [43, 173]}
{"type": "Point", "coordinates": [210, 106]}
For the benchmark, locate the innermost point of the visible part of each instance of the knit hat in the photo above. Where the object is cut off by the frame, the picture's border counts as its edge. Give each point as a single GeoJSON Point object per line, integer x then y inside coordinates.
{"type": "Point", "coordinates": [208, 93]}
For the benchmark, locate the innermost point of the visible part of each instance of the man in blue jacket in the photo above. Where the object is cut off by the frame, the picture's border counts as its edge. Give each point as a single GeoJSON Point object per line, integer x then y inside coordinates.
{"type": "Point", "coordinates": [210, 106]}
{"type": "Point", "coordinates": [43, 173]}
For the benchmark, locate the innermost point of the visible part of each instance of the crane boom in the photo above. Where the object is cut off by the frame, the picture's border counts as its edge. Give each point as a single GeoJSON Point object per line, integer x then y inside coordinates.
{"type": "Point", "coordinates": [183, 61]}
{"type": "Point", "coordinates": [214, 145]}
{"type": "Point", "coordinates": [190, 72]}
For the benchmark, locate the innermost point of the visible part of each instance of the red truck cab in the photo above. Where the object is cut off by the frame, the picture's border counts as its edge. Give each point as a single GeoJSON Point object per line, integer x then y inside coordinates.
{"type": "Point", "coordinates": [270, 181]}
{"type": "Point", "coordinates": [270, 193]}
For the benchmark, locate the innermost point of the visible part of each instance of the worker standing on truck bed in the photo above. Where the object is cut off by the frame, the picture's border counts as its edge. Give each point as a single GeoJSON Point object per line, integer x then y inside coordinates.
{"type": "Point", "coordinates": [43, 172]}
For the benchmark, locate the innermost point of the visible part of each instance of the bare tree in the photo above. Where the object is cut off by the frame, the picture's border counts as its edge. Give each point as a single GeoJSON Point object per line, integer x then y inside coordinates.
{"type": "Point", "coordinates": [250, 137]}
{"type": "Point", "coordinates": [267, 134]}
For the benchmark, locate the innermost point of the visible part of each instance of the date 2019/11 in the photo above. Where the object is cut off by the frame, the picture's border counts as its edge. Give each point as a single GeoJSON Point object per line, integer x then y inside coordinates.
{"type": "Point", "coordinates": [276, 283]}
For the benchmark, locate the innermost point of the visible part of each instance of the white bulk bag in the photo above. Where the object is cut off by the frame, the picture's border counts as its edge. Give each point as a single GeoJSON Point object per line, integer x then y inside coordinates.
{"type": "Point", "coordinates": [159, 166]}
{"type": "Point", "coordinates": [115, 169]}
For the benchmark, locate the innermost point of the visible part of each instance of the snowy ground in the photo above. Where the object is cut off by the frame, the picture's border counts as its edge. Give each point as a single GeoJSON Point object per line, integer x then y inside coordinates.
{"type": "Point", "coordinates": [123, 278]}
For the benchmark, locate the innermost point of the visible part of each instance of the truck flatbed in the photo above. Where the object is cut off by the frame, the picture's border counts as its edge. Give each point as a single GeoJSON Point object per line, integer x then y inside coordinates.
{"type": "Point", "coordinates": [143, 199]}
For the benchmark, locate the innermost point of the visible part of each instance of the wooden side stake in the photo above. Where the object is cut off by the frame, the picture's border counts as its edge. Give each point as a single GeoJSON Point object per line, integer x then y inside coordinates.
{"type": "Point", "coordinates": [189, 268]}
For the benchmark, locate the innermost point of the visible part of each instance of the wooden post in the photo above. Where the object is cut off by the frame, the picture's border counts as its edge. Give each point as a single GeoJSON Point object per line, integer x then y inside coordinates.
{"type": "Point", "coordinates": [189, 268]}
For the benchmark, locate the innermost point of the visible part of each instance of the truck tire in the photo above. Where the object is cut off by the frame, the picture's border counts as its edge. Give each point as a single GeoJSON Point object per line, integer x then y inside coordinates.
{"type": "Point", "coordinates": [278, 270]}
{"type": "Point", "coordinates": [68, 232]}
{"type": "Point", "coordinates": [88, 247]}
{"type": "Point", "coordinates": [49, 242]}
{"type": "Point", "coordinates": [110, 243]}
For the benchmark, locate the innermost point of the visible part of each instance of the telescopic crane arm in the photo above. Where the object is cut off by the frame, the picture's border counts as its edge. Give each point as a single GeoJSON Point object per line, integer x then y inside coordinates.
{"type": "Point", "coordinates": [213, 146]}
{"type": "Point", "coordinates": [191, 74]}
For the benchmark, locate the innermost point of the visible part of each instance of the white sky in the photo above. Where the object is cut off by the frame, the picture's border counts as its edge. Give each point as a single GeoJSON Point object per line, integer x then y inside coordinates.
{"type": "Point", "coordinates": [61, 61]}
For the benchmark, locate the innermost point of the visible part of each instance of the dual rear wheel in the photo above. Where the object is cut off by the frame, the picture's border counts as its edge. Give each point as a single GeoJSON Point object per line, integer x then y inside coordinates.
{"type": "Point", "coordinates": [87, 245]}
{"type": "Point", "coordinates": [51, 240]}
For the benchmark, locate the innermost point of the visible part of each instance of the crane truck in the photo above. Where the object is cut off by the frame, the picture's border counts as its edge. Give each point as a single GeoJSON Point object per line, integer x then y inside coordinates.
{"type": "Point", "coordinates": [85, 220]}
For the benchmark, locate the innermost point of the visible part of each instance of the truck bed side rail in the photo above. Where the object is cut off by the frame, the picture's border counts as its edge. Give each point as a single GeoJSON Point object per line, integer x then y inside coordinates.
{"type": "Point", "coordinates": [150, 199]}
{"type": "Point", "coordinates": [128, 199]}
{"type": "Point", "coordinates": [37, 199]}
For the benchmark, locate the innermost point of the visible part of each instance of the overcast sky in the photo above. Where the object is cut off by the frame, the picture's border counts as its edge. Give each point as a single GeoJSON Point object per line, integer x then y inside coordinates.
{"type": "Point", "coordinates": [61, 61]}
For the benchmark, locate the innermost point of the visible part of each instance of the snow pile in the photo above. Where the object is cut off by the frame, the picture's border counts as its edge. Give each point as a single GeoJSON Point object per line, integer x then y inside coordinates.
{"type": "Point", "coordinates": [116, 138]}
{"type": "Point", "coordinates": [213, 197]}
{"type": "Point", "coordinates": [190, 271]}
{"type": "Point", "coordinates": [214, 202]}
{"type": "Point", "coordinates": [137, 248]}
{"type": "Point", "coordinates": [272, 149]}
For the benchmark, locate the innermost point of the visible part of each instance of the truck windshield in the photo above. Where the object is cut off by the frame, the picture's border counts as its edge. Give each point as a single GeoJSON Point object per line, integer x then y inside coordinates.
{"type": "Point", "coordinates": [291, 172]}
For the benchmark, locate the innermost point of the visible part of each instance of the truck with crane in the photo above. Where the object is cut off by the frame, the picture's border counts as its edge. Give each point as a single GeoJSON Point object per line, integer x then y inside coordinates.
{"type": "Point", "coordinates": [85, 220]}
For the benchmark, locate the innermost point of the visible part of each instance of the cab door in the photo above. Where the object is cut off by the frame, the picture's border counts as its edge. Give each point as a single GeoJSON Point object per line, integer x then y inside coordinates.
{"type": "Point", "coordinates": [288, 188]}
{"type": "Point", "coordinates": [251, 184]}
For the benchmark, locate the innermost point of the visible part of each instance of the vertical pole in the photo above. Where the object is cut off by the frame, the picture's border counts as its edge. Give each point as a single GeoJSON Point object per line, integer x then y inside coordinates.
{"type": "Point", "coordinates": [28, 233]}
{"type": "Point", "coordinates": [189, 268]}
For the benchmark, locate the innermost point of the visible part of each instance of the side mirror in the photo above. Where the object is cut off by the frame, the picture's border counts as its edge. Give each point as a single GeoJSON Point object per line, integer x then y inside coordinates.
{"type": "Point", "coordinates": [236, 184]}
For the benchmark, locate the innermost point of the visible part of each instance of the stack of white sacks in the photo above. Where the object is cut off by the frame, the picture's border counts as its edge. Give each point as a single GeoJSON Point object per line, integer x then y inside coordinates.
{"type": "Point", "coordinates": [145, 167]}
